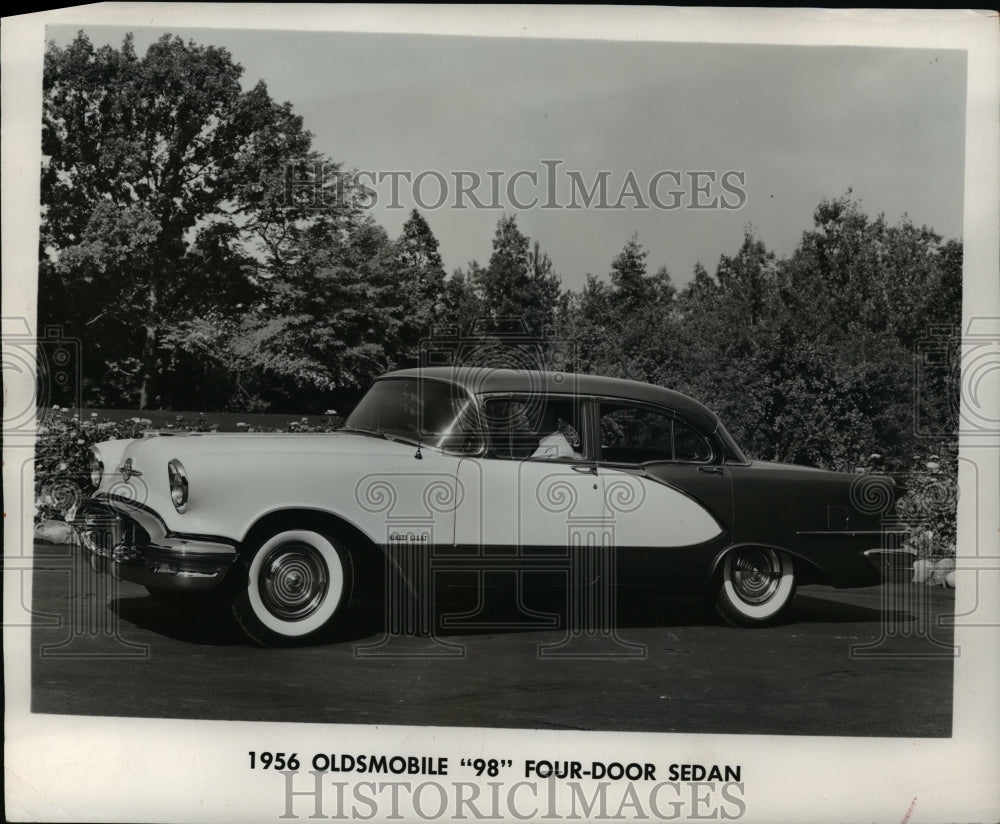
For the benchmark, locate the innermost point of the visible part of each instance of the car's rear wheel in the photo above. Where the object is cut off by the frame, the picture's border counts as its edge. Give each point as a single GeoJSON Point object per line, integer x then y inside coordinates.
{"type": "Point", "coordinates": [755, 586]}
{"type": "Point", "coordinates": [298, 583]}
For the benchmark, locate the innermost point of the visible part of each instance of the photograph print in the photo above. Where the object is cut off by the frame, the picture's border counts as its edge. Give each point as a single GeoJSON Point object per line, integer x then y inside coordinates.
{"type": "Point", "coordinates": [545, 384]}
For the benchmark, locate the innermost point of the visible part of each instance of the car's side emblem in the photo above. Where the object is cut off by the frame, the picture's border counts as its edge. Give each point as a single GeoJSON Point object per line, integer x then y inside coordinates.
{"type": "Point", "coordinates": [127, 470]}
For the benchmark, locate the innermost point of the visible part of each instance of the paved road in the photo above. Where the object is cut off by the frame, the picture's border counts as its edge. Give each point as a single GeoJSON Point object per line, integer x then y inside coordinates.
{"type": "Point", "coordinates": [106, 648]}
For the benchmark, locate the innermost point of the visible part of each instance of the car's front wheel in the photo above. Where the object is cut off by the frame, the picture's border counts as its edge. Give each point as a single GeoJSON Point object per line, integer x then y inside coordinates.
{"type": "Point", "coordinates": [755, 586]}
{"type": "Point", "coordinates": [298, 583]}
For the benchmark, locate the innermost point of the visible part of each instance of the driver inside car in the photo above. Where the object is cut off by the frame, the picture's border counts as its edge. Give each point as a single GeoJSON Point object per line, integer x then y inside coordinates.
{"type": "Point", "coordinates": [556, 444]}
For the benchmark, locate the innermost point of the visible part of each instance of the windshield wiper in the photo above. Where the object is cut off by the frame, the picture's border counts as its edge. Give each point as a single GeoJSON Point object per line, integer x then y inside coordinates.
{"type": "Point", "coordinates": [376, 432]}
{"type": "Point", "coordinates": [362, 430]}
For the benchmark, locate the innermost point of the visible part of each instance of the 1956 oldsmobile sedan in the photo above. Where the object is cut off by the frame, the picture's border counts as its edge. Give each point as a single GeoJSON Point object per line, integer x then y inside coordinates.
{"type": "Point", "coordinates": [448, 465]}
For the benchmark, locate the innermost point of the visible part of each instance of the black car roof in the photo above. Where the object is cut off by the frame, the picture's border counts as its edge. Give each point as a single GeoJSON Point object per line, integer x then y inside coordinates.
{"type": "Point", "coordinates": [480, 380]}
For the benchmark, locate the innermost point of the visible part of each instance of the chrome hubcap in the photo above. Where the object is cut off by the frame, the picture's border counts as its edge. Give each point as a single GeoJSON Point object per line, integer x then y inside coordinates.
{"type": "Point", "coordinates": [756, 574]}
{"type": "Point", "coordinates": [293, 581]}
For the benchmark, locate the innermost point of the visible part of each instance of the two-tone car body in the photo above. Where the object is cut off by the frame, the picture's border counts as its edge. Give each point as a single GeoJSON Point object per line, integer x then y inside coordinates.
{"type": "Point", "coordinates": [449, 469]}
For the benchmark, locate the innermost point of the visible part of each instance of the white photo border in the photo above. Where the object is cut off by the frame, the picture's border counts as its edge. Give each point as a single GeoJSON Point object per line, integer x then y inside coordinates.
{"type": "Point", "coordinates": [130, 769]}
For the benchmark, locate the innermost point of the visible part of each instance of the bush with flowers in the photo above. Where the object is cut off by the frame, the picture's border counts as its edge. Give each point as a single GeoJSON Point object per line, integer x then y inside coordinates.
{"type": "Point", "coordinates": [62, 457]}
{"type": "Point", "coordinates": [929, 507]}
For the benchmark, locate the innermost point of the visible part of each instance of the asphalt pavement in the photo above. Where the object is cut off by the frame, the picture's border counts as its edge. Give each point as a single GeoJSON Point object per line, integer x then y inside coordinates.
{"type": "Point", "coordinates": [861, 662]}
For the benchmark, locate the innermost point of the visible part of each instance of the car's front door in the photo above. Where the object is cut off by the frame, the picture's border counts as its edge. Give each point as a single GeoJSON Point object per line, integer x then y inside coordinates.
{"type": "Point", "coordinates": [536, 488]}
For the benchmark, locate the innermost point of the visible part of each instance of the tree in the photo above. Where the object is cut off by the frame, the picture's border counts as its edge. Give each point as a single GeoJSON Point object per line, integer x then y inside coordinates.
{"type": "Point", "coordinates": [149, 164]}
{"type": "Point", "coordinates": [748, 278]}
{"type": "Point", "coordinates": [462, 309]}
{"type": "Point", "coordinates": [628, 273]}
{"type": "Point", "coordinates": [326, 326]}
{"type": "Point", "coordinates": [519, 284]}
{"type": "Point", "coordinates": [625, 326]}
{"type": "Point", "coordinates": [421, 282]}
{"type": "Point", "coordinates": [584, 324]}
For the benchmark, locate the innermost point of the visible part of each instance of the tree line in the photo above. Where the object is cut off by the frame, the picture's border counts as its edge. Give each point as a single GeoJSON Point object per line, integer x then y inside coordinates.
{"type": "Point", "coordinates": [196, 278]}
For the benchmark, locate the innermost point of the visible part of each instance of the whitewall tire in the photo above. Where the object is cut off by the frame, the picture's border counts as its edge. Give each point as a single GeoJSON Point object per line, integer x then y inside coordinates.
{"type": "Point", "coordinates": [756, 585]}
{"type": "Point", "coordinates": [298, 582]}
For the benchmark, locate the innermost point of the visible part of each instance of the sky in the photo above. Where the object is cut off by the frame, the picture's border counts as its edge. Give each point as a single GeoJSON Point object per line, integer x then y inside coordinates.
{"type": "Point", "coordinates": [791, 125]}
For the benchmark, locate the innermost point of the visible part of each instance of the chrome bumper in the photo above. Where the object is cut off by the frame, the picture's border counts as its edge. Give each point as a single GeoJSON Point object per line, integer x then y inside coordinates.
{"type": "Point", "coordinates": [888, 561]}
{"type": "Point", "coordinates": [132, 543]}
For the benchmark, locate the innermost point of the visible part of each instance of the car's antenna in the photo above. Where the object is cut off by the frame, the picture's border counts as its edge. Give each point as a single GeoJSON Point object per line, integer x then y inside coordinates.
{"type": "Point", "coordinates": [418, 456]}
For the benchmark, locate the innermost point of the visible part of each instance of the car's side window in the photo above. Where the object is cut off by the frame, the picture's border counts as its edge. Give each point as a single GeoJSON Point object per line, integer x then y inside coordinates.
{"type": "Point", "coordinates": [689, 445]}
{"type": "Point", "coordinates": [532, 426]}
{"type": "Point", "coordinates": [636, 434]}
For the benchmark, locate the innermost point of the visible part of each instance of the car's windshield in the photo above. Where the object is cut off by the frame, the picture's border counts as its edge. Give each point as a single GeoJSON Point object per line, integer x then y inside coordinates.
{"type": "Point", "coordinates": [432, 412]}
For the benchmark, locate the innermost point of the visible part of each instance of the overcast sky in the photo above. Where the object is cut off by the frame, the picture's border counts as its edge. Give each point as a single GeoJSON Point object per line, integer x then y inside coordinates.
{"type": "Point", "coordinates": [800, 122]}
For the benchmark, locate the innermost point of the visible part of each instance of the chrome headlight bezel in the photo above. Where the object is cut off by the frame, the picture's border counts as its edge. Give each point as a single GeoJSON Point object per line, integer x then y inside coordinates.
{"type": "Point", "coordinates": [177, 482]}
{"type": "Point", "coordinates": [96, 468]}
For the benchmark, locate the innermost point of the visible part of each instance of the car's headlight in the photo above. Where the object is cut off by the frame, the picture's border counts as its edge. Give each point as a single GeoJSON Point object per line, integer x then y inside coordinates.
{"type": "Point", "coordinates": [96, 468]}
{"type": "Point", "coordinates": [178, 484]}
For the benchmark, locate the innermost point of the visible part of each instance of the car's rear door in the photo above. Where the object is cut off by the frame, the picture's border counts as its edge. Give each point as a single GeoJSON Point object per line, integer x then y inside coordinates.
{"type": "Point", "coordinates": [669, 495]}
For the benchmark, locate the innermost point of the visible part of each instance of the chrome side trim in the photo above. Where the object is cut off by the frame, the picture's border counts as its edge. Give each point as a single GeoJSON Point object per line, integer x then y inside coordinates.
{"type": "Point", "coordinates": [886, 559]}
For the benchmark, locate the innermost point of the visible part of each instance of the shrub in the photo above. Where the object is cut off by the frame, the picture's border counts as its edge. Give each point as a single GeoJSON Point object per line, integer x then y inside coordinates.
{"type": "Point", "coordinates": [929, 507]}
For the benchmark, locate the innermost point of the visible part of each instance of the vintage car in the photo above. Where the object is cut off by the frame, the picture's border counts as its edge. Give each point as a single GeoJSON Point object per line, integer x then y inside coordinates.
{"type": "Point", "coordinates": [459, 469]}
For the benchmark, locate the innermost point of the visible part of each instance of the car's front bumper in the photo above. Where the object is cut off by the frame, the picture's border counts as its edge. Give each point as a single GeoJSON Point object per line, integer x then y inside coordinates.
{"type": "Point", "coordinates": [132, 542]}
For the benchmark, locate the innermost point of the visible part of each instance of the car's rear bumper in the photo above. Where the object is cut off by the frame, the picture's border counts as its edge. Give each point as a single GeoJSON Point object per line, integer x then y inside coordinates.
{"type": "Point", "coordinates": [889, 561]}
{"type": "Point", "coordinates": [131, 542]}
{"type": "Point", "coordinates": [854, 558]}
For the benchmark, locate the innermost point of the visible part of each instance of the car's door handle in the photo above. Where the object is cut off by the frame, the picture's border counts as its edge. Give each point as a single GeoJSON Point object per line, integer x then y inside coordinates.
{"type": "Point", "coordinates": [711, 470]}
{"type": "Point", "coordinates": [591, 468]}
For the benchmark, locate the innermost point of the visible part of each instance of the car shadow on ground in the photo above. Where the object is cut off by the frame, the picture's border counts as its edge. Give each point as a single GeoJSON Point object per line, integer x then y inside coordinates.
{"type": "Point", "coordinates": [188, 623]}
{"type": "Point", "coordinates": [810, 609]}
{"type": "Point", "coordinates": [651, 612]}
{"type": "Point", "coordinates": [500, 616]}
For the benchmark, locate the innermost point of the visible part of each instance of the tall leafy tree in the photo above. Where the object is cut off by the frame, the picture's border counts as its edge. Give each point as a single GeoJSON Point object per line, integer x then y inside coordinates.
{"type": "Point", "coordinates": [519, 283]}
{"type": "Point", "coordinates": [421, 278]}
{"type": "Point", "coordinates": [143, 158]}
{"type": "Point", "coordinates": [625, 326]}
{"type": "Point", "coordinates": [810, 359]}
{"type": "Point", "coordinates": [628, 273]}
{"type": "Point", "coordinates": [543, 291]}
{"type": "Point", "coordinates": [462, 311]}
{"type": "Point", "coordinates": [327, 325]}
